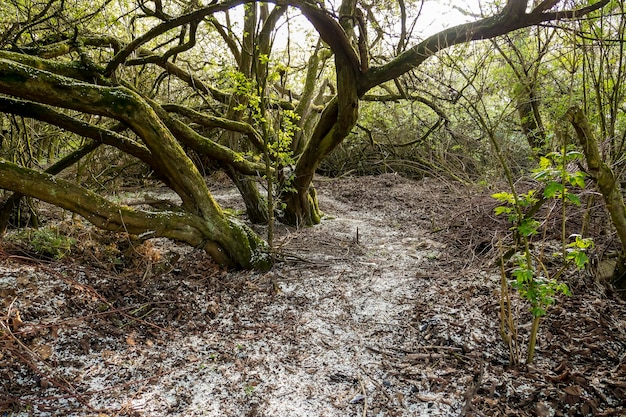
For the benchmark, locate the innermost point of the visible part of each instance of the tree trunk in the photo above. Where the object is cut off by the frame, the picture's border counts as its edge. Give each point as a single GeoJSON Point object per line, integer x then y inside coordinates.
{"type": "Point", "coordinates": [336, 122]}
{"type": "Point", "coordinates": [203, 223]}
{"type": "Point", "coordinates": [354, 79]}
{"type": "Point", "coordinates": [13, 202]}
{"type": "Point", "coordinates": [256, 205]}
{"type": "Point", "coordinates": [224, 239]}
{"type": "Point", "coordinates": [607, 183]}
{"type": "Point", "coordinates": [530, 118]}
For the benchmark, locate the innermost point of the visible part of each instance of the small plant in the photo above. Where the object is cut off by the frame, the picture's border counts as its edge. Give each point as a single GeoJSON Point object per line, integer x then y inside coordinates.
{"type": "Point", "coordinates": [553, 173]}
{"type": "Point", "coordinates": [530, 277]}
{"type": "Point", "coordinates": [249, 389]}
{"type": "Point", "coordinates": [47, 242]}
{"type": "Point", "coordinates": [277, 130]}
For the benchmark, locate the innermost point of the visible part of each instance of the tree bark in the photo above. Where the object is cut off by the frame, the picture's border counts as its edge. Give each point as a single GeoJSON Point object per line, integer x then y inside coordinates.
{"type": "Point", "coordinates": [530, 118]}
{"type": "Point", "coordinates": [225, 239]}
{"type": "Point", "coordinates": [607, 183]}
{"type": "Point", "coordinates": [12, 203]}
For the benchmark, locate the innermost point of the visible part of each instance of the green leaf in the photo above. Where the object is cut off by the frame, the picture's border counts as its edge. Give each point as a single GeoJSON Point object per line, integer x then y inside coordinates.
{"type": "Point", "coordinates": [504, 197]}
{"type": "Point", "coordinates": [502, 210]}
{"type": "Point", "coordinates": [523, 275]}
{"type": "Point", "coordinates": [577, 179]}
{"type": "Point", "coordinates": [553, 156]}
{"type": "Point", "coordinates": [564, 289]}
{"type": "Point", "coordinates": [580, 258]}
{"type": "Point", "coordinates": [573, 198]}
{"type": "Point", "coordinates": [527, 199]}
{"type": "Point", "coordinates": [553, 189]}
{"type": "Point", "coordinates": [528, 227]}
{"type": "Point", "coordinates": [538, 311]}
{"type": "Point", "coordinates": [544, 163]}
{"type": "Point", "coordinates": [574, 155]}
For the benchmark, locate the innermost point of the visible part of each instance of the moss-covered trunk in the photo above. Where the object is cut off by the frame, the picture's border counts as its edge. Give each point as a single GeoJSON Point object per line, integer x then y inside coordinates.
{"type": "Point", "coordinates": [530, 117]}
{"type": "Point", "coordinates": [607, 183]}
{"type": "Point", "coordinates": [203, 222]}
{"type": "Point", "coordinates": [334, 125]}
{"type": "Point", "coordinates": [12, 203]}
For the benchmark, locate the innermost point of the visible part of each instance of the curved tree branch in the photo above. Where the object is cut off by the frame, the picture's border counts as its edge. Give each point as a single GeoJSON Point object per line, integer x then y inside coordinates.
{"type": "Point", "coordinates": [105, 214]}
{"type": "Point", "coordinates": [329, 30]}
{"type": "Point", "coordinates": [66, 46]}
{"type": "Point", "coordinates": [71, 124]}
{"type": "Point", "coordinates": [219, 122]}
{"type": "Point", "coordinates": [73, 70]}
{"type": "Point", "coordinates": [203, 145]}
{"type": "Point", "coordinates": [224, 238]}
{"type": "Point", "coordinates": [512, 18]}
{"type": "Point", "coordinates": [195, 16]}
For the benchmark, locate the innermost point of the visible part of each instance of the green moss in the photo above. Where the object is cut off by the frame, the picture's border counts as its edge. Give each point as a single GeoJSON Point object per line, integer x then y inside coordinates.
{"type": "Point", "coordinates": [46, 242]}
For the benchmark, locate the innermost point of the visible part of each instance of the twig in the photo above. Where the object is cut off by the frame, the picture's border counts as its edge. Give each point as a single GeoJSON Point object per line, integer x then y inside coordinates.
{"type": "Point", "coordinates": [380, 388]}
{"type": "Point", "coordinates": [30, 359]}
{"type": "Point", "coordinates": [470, 393]}
{"type": "Point", "coordinates": [364, 396]}
{"type": "Point", "coordinates": [91, 290]}
{"type": "Point", "coordinates": [451, 348]}
{"type": "Point", "coordinates": [128, 404]}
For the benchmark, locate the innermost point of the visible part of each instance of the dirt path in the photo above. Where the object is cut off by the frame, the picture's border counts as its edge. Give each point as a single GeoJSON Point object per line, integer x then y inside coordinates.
{"type": "Point", "coordinates": [401, 322]}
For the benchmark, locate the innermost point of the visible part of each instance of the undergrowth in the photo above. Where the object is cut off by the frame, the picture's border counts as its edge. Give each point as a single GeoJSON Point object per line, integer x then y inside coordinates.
{"type": "Point", "coordinates": [46, 242]}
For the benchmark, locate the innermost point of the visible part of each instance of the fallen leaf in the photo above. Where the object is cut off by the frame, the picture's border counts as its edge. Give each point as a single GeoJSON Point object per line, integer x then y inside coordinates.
{"type": "Point", "coordinates": [85, 344]}
{"type": "Point", "coordinates": [574, 390]}
{"type": "Point", "coordinates": [543, 410]}
{"type": "Point", "coordinates": [22, 280]}
{"type": "Point", "coordinates": [16, 322]}
{"type": "Point", "coordinates": [357, 399]}
{"type": "Point", "coordinates": [44, 351]}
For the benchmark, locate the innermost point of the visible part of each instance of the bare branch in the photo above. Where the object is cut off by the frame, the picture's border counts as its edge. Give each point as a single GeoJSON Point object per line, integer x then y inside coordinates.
{"type": "Point", "coordinates": [509, 20]}
{"type": "Point", "coordinates": [195, 16]}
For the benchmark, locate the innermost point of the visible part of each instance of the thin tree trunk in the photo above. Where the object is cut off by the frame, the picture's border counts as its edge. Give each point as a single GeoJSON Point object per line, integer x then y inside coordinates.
{"type": "Point", "coordinates": [607, 183]}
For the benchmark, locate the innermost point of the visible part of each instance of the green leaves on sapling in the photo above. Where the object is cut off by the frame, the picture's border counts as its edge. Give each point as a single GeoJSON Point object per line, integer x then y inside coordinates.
{"type": "Point", "coordinates": [514, 202]}
{"type": "Point", "coordinates": [528, 227]}
{"type": "Point", "coordinates": [553, 172]}
{"type": "Point", "coordinates": [529, 276]}
{"type": "Point", "coordinates": [576, 251]}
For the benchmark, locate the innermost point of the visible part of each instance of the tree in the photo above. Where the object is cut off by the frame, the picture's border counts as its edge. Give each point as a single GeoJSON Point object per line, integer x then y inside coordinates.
{"type": "Point", "coordinates": [526, 87]}
{"type": "Point", "coordinates": [63, 64]}
{"type": "Point", "coordinates": [597, 113]}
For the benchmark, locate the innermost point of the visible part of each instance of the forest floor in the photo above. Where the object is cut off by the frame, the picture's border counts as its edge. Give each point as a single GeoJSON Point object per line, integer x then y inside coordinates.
{"type": "Point", "coordinates": [390, 307]}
